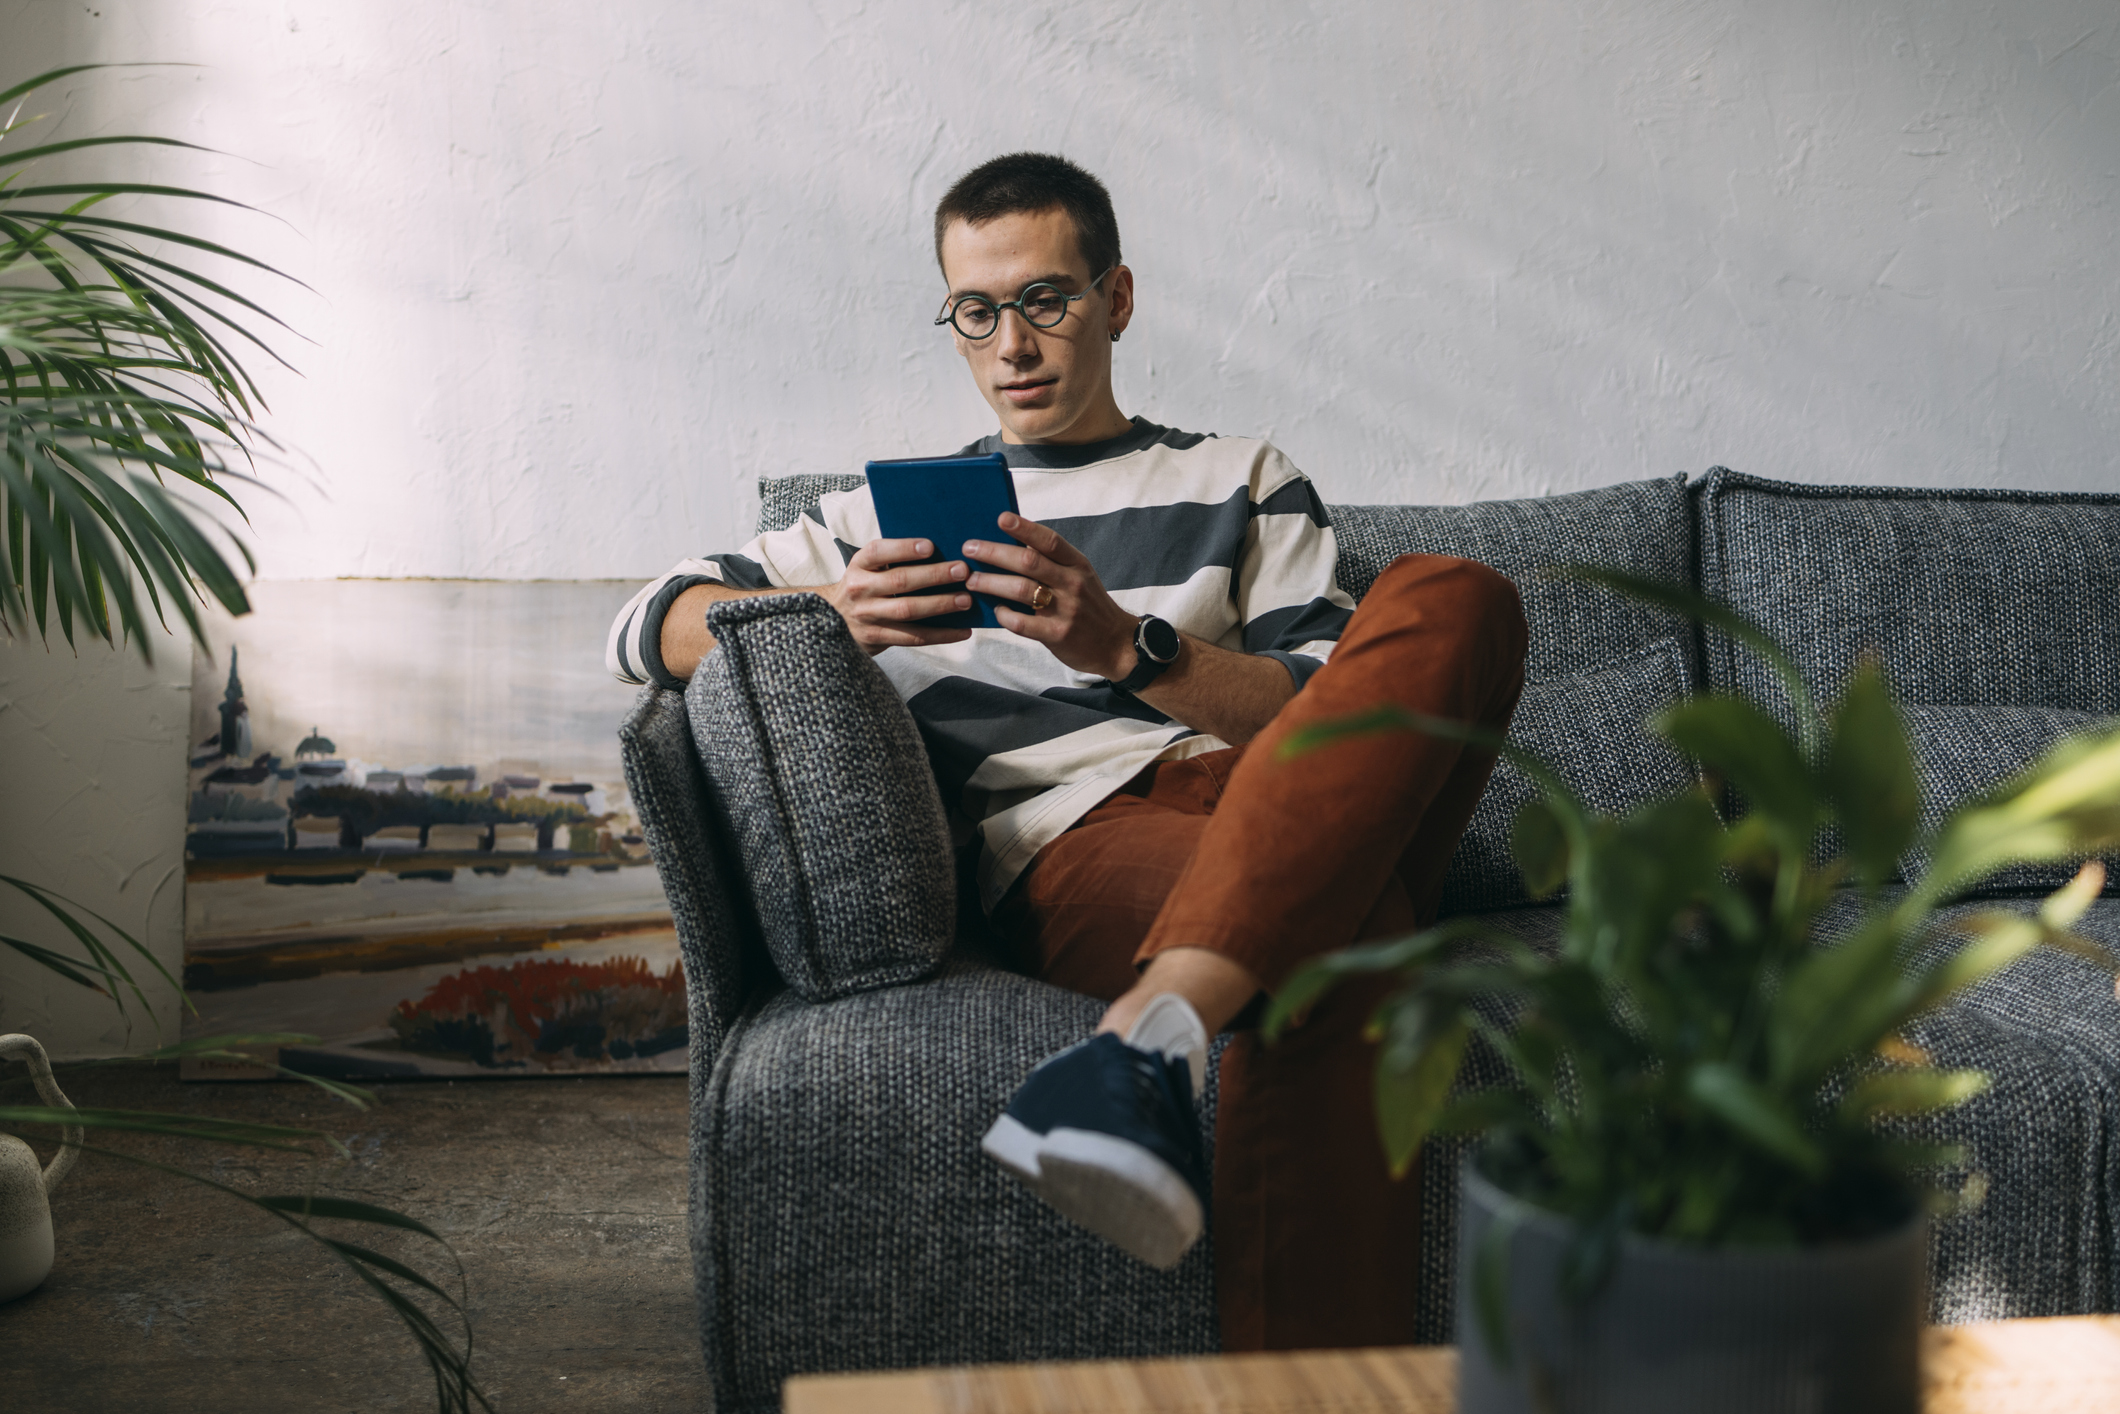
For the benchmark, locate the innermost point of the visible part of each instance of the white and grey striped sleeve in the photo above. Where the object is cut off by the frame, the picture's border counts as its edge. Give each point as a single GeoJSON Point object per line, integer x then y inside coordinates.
{"type": "Point", "coordinates": [804, 554]}
{"type": "Point", "coordinates": [1288, 592]}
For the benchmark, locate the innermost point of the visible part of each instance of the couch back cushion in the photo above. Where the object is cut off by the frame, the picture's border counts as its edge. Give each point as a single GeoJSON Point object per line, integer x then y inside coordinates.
{"type": "Point", "coordinates": [1592, 727]}
{"type": "Point", "coordinates": [1643, 526]}
{"type": "Point", "coordinates": [1968, 598]}
{"type": "Point", "coordinates": [1962, 754]}
{"type": "Point", "coordinates": [782, 498]}
{"type": "Point", "coordinates": [845, 853]}
{"type": "Point", "coordinates": [1995, 616]}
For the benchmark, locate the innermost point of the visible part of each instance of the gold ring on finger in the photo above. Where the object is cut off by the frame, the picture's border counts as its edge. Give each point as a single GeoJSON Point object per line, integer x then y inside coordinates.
{"type": "Point", "coordinates": [1041, 598]}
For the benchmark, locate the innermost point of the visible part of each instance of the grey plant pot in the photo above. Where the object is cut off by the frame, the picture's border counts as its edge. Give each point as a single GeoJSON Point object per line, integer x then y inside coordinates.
{"type": "Point", "coordinates": [1818, 1330]}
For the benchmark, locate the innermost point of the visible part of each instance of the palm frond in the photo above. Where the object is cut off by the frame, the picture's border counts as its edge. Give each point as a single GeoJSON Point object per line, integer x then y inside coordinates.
{"type": "Point", "coordinates": [103, 958]}
{"type": "Point", "coordinates": [456, 1390]}
{"type": "Point", "coordinates": [122, 397]}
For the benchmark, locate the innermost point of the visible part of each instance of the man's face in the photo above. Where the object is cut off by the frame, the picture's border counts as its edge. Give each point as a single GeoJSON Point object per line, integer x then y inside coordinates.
{"type": "Point", "coordinates": [1046, 385]}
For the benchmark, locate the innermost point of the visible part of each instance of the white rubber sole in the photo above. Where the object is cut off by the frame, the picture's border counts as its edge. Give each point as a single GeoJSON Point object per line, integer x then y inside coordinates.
{"type": "Point", "coordinates": [1014, 1146]}
{"type": "Point", "coordinates": [1118, 1190]}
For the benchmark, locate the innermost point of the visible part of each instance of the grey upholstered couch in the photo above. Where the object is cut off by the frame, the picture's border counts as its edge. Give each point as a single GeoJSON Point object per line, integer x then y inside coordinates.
{"type": "Point", "coordinates": [842, 1216]}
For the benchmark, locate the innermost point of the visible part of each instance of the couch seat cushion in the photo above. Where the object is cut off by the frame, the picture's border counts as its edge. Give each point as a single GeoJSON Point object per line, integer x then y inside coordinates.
{"type": "Point", "coordinates": [2042, 1137]}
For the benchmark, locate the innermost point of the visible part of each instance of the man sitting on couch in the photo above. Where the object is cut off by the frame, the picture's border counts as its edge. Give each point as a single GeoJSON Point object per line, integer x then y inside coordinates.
{"type": "Point", "coordinates": [1111, 759]}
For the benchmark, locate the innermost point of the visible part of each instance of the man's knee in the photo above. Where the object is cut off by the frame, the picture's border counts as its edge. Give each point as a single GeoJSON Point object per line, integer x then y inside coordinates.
{"type": "Point", "coordinates": [1477, 601]}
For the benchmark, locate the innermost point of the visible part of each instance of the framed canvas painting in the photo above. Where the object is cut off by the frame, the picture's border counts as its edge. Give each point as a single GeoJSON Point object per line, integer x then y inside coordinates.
{"type": "Point", "coordinates": [409, 837]}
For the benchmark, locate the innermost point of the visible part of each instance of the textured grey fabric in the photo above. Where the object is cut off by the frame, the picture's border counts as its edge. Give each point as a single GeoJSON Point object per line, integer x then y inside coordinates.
{"type": "Point", "coordinates": [1962, 753]}
{"type": "Point", "coordinates": [718, 942]}
{"type": "Point", "coordinates": [2047, 1032]}
{"type": "Point", "coordinates": [819, 776]}
{"type": "Point", "coordinates": [1591, 727]}
{"type": "Point", "coordinates": [782, 498]}
{"type": "Point", "coordinates": [844, 1218]}
{"type": "Point", "coordinates": [1643, 526]}
{"type": "Point", "coordinates": [1969, 598]}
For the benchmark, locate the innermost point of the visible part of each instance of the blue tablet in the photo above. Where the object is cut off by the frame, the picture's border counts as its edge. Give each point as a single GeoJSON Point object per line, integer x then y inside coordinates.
{"type": "Point", "coordinates": [948, 500]}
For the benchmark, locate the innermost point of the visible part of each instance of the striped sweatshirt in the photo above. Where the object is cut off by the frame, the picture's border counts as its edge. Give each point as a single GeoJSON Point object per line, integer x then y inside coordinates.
{"type": "Point", "coordinates": [1221, 536]}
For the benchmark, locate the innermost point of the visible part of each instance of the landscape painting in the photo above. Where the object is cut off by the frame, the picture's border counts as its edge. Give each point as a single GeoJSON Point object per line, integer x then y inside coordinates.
{"type": "Point", "coordinates": [409, 837]}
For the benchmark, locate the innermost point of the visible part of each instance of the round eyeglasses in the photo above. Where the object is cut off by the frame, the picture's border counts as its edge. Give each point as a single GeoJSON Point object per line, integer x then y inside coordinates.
{"type": "Point", "coordinates": [1041, 305]}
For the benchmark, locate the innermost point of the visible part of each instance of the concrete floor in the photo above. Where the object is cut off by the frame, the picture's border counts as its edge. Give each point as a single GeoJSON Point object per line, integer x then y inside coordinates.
{"type": "Point", "coordinates": [565, 1200]}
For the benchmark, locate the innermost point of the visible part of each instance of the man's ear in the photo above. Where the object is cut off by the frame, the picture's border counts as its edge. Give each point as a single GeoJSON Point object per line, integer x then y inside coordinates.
{"type": "Point", "coordinates": [1120, 283]}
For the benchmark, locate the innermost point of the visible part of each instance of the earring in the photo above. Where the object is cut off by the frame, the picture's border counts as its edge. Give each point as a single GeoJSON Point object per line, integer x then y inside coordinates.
{"type": "Point", "coordinates": [1115, 337]}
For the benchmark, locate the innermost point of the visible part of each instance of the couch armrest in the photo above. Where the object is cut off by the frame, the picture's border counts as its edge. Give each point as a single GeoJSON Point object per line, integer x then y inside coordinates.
{"type": "Point", "coordinates": [818, 775]}
{"type": "Point", "coordinates": [718, 942]}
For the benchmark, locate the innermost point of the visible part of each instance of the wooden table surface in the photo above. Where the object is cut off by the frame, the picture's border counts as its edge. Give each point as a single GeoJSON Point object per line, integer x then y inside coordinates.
{"type": "Point", "coordinates": [2067, 1365]}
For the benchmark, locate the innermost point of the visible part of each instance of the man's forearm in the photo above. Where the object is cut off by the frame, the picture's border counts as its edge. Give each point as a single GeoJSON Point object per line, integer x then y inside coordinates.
{"type": "Point", "coordinates": [1229, 695]}
{"type": "Point", "coordinates": [685, 639]}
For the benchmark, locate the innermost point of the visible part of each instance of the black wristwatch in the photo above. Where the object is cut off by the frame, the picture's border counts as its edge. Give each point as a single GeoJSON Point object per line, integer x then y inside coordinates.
{"type": "Point", "coordinates": [1156, 646]}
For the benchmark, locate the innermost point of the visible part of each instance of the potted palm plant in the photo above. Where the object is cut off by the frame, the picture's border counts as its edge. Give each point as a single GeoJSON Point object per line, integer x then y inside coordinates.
{"type": "Point", "coordinates": [125, 414]}
{"type": "Point", "coordinates": [1698, 1190]}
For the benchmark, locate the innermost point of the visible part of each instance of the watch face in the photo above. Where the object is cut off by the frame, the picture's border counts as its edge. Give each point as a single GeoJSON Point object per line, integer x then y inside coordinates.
{"type": "Point", "coordinates": [1159, 639]}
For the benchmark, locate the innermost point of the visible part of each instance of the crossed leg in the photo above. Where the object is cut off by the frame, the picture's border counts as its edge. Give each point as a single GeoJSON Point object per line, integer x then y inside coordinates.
{"type": "Point", "coordinates": [1215, 876]}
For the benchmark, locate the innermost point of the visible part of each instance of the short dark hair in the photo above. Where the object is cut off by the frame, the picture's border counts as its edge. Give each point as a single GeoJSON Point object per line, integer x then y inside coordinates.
{"type": "Point", "coordinates": [1035, 181]}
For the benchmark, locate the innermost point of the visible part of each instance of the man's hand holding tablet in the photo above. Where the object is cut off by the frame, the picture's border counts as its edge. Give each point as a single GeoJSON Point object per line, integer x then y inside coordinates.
{"type": "Point", "coordinates": [1077, 619]}
{"type": "Point", "coordinates": [884, 598]}
{"type": "Point", "coordinates": [903, 590]}
{"type": "Point", "coordinates": [1026, 578]}
{"type": "Point", "coordinates": [946, 501]}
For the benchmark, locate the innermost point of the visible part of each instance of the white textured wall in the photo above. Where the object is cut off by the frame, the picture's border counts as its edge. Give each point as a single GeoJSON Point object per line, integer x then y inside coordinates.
{"type": "Point", "coordinates": [92, 805]}
{"type": "Point", "coordinates": [584, 272]}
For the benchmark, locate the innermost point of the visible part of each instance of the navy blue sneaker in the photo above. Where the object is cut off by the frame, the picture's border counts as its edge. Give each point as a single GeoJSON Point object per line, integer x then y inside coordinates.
{"type": "Point", "coordinates": [1104, 1133]}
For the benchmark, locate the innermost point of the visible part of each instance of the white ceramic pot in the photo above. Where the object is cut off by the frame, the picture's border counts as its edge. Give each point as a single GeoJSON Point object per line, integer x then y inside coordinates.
{"type": "Point", "coordinates": [25, 1188]}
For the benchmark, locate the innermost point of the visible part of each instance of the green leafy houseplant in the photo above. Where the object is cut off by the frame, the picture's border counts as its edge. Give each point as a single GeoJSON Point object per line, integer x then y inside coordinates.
{"type": "Point", "coordinates": [125, 415]}
{"type": "Point", "coordinates": [119, 380]}
{"type": "Point", "coordinates": [1695, 1063]}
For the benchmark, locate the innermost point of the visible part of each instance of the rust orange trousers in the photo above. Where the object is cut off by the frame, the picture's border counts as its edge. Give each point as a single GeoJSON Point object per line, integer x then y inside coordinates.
{"type": "Point", "coordinates": [1273, 862]}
